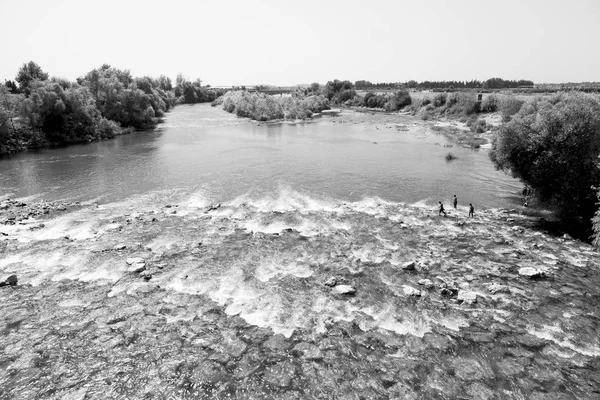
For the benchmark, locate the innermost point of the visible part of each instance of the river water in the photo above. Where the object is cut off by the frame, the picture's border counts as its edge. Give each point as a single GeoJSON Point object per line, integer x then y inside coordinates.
{"type": "Point", "coordinates": [144, 291]}
{"type": "Point", "coordinates": [217, 157]}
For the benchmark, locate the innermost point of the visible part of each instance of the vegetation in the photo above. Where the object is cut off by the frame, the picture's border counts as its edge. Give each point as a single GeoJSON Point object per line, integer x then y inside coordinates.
{"type": "Point", "coordinates": [552, 145]}
{"type": "Point", "coordinates": [41, 111]}
{"type": "Point", "coordinates": [492, 83]}
{"type": "Point", "coordinates": [509, 106]}
{"type": "Point", "coordinates": [263, 107]}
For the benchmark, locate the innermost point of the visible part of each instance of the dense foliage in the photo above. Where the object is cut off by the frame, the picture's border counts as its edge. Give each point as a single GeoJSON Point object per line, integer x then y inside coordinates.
{"type": "Point", "coordinates": [338, 91]}
{"type": "Point", "coordinates": [552, 145]}
{"type": "Point", "coordinates": [193, 92]}
{"type": "Point", "coordinates": [105, 102]}
{"type": "Point", "coordinates": [263, 107]}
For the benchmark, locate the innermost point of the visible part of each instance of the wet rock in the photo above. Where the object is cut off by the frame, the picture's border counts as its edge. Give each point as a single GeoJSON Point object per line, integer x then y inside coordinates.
{"type": "Point", "coordinates": [307, 351]}
{"type": "Point", "coordinates": [344, 290]}
{"type": "Point", "coordinates": [277, 343]}
{"type": "Point", "coordinates": [208, 373]}
{"type": "Point", "coordinates": [495, 288]}
{"type": "Point", "coordinates": [136, 264]}
{"type": "Point", "coordinates": [37, 226]}
{"type": "Point", "coordinates": [426, 282]}
{"type": "Point", "coordinates": [212, 208]}
{"type": "Point", "coordinates": [409, 266]}
{"type": "Point", "coordinates": [480, 391]}
{"type": "Point", "coordinates": [467, 297]}
{"type": "Point", "coordinates": [509, 367]}
{"type": "Point", "coordinates": [10, 281]}
{"type": "Point", "coordinates": [411, 291]}
{"type": "Point", "coordinates": [331, 282]}
{"type": "Point", "coordinates": [531, 273]}
{"type": "Point", "coordinates": [469, 369]}
{"type": "Point", "coordinates": [280, 374]}
{"type": "Point", "coordinates": [119, 247]}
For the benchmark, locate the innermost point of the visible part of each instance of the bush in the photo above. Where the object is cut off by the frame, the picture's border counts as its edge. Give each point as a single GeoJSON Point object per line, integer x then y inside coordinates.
{"type": "Point", "coordinates": [490, 103]}
{"type": "Point", "coordinates": [552, 145]}
{"type": "Point", "coordinates": [398, 101]}
{"type": "Point", "coordinates": [477, 125]}
{"type": "Point", "coordinates": [439, 100]}
{"type": "Point", "coordinates": [462, 103]}
{"type": "Point", "coordinates": [509, 106]}
{"type": "Point", "coordinates": [263, 107]}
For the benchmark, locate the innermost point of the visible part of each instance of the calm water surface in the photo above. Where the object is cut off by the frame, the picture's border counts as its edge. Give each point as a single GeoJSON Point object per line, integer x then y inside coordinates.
{"type": "Point", "coordinates": [205, 150]}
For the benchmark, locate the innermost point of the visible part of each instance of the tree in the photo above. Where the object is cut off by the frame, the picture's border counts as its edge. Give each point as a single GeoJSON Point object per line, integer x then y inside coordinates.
{"type": "Point", "coordinates": [28, 73]}
{"type": "Point", "coordinates": [552, 145]}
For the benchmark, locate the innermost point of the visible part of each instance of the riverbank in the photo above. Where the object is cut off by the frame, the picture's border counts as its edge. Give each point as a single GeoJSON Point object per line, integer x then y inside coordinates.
{"type": "Point", "coordinates": [279, 299]}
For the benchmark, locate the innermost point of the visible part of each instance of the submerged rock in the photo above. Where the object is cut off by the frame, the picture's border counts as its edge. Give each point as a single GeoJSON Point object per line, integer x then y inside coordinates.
{"type": "Point", "coordinates": [426, 282]}
{"type": "Point", "coordinates": [344, 290]}
{"type": "Point", "coordinates": [408, 266]}
{"type": "Point", "coordinates": [497, 288]}
{"type": "Point", "coordinates": [331, 282]}
{"type": "Point", "coordinates": [531, 273]}
{"type": "Point", "coordinates": [411, 291]}
{"type": "Point", "coordinates": [10, 281]}
{"type": "Point", "coordinates": [467, 297]}
{"type": "Point", "coordinates": [136, 265]}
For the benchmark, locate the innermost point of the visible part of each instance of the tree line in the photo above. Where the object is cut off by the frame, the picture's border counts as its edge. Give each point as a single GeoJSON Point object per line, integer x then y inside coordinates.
{"type": "Point", "coordinates": [492, 83]}
{"type": "Point", "coordinates": [37, 110]}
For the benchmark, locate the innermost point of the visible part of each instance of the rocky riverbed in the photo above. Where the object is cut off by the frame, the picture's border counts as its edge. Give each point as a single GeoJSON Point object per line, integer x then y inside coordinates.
{"type": "Point", "coordinates": [290, 298]}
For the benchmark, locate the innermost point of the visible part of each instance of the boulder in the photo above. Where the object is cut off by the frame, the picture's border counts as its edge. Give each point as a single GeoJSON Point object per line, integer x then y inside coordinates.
{"type": "Point", "coordinates": [10, 281]}
{"type": "Point", "coordinates": [531, 273]}
{"type": "Point", "coordinates": [136, 265]}
{"type": "Point", "coordinates": [467, 297]}
{"type": "Point", "coordinates": [119, 247]}
{"type": "Point", "coordinates": [426, 282]}
{"type": "Point", "coordinates": [497, 288]}
{"type": "Point", "coordinates": [411, 291]}
{"type": "Point", "coordinates": [344, 290]}
{"type": "Point", "coordinates": [280, 374]}
{"type": "Point", "coordinates": [331, 282]}
{"type": "Point", "coordinates": [135, 260]}
{"type": "Point", "coordinates": [408, 266]}
{"type": "Point", "coordinates": [307, 351]}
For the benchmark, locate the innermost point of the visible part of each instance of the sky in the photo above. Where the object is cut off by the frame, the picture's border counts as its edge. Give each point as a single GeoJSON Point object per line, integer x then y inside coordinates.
{"type": "Point", "coordinates": [280, 42]}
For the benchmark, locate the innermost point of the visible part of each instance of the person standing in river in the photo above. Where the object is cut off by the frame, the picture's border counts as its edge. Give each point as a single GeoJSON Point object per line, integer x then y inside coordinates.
{"type": "Point", "coordinates": [471, 210]}
{"type": "Point", "coordinates": [442, 210]}
{"type": "Point", "coordinates": [455, 201]}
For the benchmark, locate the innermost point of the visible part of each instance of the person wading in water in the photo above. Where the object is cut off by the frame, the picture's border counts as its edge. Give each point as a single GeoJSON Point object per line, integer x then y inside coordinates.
{"type": "Point", "coordinates": [471, 209]}
{"type": "Point", "coordinates": [455, 202]}
{"type": "Point", "coordinates": [442, 210]}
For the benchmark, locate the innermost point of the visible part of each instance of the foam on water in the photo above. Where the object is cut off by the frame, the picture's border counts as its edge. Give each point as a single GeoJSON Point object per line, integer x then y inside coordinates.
{"type": "Point", "coordinates": [555, 334]}
{"type": "Point", "coordinates": [270, 268]}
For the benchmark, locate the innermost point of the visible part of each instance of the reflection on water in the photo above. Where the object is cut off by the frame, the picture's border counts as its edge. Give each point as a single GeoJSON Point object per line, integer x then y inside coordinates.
{"type": "Point", "coordinates": [199, 147]}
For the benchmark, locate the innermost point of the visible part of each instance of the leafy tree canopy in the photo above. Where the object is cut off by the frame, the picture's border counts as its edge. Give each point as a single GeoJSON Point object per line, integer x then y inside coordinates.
{"type": "Point", "coordinates": [552, 145]}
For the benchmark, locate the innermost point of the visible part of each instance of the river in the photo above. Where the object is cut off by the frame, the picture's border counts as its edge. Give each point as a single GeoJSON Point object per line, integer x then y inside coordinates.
{"type": "Point", "coordinates": [313, 279]}
{"type": "Point", "coordinates": [216, 157]}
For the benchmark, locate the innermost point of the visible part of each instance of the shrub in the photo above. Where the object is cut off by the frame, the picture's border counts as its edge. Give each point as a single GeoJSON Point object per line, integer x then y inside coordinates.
{"type": "Point", "coordinates": [462, 103]}
{"type": "Point", "coordinates": [509, 106]}
{"type": "Point", "coordinates": [263, 107]}
{"type": "Point", "coordinates": [439, 100]}
{"type": "Point", "coordinates": [399, 100]}
{"type": "Point", "coordinates": [552, 145]}
{"type": "Point", "coordinates": [490, 103]}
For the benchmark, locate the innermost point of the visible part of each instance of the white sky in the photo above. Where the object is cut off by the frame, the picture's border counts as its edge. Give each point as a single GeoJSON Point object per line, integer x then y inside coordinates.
{"type": "Point", "coordinates": [235, 42]}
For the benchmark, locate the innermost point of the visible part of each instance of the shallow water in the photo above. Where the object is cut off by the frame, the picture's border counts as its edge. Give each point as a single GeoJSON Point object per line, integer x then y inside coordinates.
{"type": "Point", "coordinates": [233, 303]}
{"type": "Point", "coordinates": [200, 149]}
